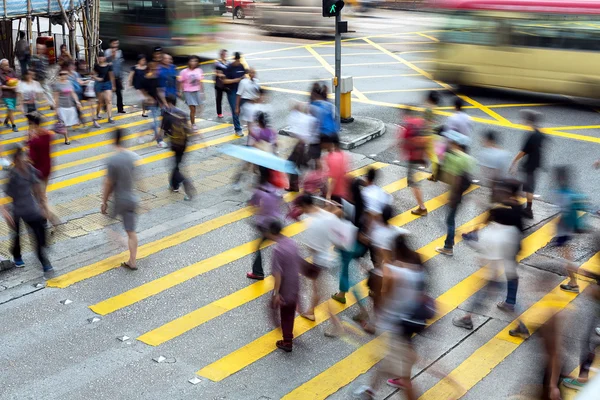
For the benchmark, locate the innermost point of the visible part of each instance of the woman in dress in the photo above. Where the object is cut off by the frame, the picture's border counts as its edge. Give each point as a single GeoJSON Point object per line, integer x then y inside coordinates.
{"type": "Point", "coordinates": [190, 80]}
{"type": "Point", "coordinates": [105, 85]}
{"type": "Point", "coordinates": [136, 78]}
{"type": "Point", "coordinates": [67, 102]}
{"type": "Point", "coordinates": [29, 91]}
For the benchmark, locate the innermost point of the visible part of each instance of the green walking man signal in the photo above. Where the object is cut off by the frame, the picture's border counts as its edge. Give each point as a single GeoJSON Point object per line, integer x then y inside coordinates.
{"type": "Point", "coordinates": [331, 8]}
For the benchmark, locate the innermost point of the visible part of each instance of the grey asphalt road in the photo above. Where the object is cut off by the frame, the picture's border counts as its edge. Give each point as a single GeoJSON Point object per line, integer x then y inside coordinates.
{"type": "Point", "coordinates": [190, 306]}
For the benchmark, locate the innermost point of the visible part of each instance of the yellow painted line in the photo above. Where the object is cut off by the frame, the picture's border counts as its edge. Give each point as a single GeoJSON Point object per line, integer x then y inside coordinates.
{"type": "Point", "coordinates": [360, 361]}
{"type": "Point", "coordinates": [329, 68]}
{"type": "Point", "coordinates": [479, 364]}
{"type": "Point", "coordinates": [219, 307]}
{"type": "Point", "coordinates": [156, 246]}
{"type": "Point", "coordinates": [433, 39]}
{"type": "Point", "coordinates": [310, 56]}
{"type": "Point", "coordinates": [264, 345]}
{"type": "Point", "coordinates": [504, 105]}
{"type": "Point", "coordinates": [403, 90]}
{"type": "Point", "coordinates": [426, 74]}
{"type": "Point", "coordinates": [574, 127]}
{"type": "Point", "coordinates": [175, 278]}
{"type": "Point", "coordinates": [102, 131]}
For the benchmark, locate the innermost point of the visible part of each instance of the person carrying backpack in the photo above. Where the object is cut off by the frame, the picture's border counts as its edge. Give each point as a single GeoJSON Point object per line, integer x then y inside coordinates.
{"type": "Point", "coordinates": [414, 144]}
{"type": "Point", "coordinates": [176, 122]}
{"type": "Point", "coordinates": [457, 171]}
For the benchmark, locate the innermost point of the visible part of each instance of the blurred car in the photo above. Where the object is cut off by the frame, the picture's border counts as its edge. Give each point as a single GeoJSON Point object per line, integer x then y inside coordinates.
{"type": "Point", "coordinates": [294, 17]}
{"type": "Point", "coordinates": [219, 7]}
{"type": "Point", "coordinates": [239, 8]}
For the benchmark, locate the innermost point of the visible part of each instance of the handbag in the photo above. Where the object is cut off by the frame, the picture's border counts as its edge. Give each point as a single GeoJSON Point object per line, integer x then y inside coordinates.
{"type": "Point", "coordinates": [60, 127]}
{"type": "Point", "coordinates": [279, 179]}
{"type": "Point", "coordinates": [90, 91]}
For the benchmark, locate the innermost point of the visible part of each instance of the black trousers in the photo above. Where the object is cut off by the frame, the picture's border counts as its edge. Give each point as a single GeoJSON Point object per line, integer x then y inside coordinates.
{"type": "Point", "coordinates": [177, 177]}
{"type": "Point", "coordinates": [219, 100]}
{"type": "Point", "coordinates": [119, 91]}
{"type": "Point", "coordinates": [39, 232]}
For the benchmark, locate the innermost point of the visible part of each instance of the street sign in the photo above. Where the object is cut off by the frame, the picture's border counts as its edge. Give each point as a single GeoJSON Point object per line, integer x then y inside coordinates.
{"type": "Point", "coordinates": [332, 8]}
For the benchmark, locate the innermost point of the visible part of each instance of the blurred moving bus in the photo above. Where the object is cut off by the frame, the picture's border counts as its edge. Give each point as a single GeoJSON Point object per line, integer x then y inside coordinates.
{"type": "Point", "coordinates": [181, 27]}
{"type": "Point", "coordinates": [549, 46]}
{"type": "Point", "coordinates": [295, 17]}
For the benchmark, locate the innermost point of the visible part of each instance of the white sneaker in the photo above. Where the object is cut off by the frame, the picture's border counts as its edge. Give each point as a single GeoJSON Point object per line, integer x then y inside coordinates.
{"type": "Point", "coordinates": [4, 162]}
{"type": "Point", "coordinates": [195, 127]}
{"type": "Point", "coordinates": [364, 393]}
{"type": "Point", "coordinates": [598, 331]}
{"type": "Point", "coordinates": [237, 187]}
{"type": "Point", "coordinates": [162, 145]}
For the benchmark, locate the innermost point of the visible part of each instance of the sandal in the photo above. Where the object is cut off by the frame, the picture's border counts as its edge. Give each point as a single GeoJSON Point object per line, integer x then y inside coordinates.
{"type": "Point", "coordinates": [67, 142]}
{"type": "Point", "coordinates": [126, 265]}
{"type": "Point", "coordinates": [310, 317]}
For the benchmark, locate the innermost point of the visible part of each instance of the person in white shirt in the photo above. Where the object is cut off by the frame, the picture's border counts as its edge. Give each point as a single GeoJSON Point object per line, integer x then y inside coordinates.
{"type": "Point", "coordinates": [247, 94]}
{"type": "Point", "coordinates": [375, 197]}
{"type": "Point", "coordinates": [319, 242]}
{"type": "Point", "coordinates": [459, 121]}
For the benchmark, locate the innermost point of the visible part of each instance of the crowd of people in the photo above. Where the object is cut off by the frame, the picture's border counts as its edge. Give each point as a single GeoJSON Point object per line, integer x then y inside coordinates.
{"type": "Point", "coordinates": [347, 218]}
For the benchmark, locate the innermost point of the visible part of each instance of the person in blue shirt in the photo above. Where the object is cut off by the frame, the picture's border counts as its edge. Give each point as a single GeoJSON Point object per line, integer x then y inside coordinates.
{"type": "Point", "coordinates": [232, 76]}
{"type": "Point", "coordinates": [167, 77]}
{"type": "Point", "coordinates": [325, 113]}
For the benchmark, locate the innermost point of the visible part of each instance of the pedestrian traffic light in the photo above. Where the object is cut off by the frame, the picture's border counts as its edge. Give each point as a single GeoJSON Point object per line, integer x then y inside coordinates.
{"type": "Point", "coordinates": [331, 8]}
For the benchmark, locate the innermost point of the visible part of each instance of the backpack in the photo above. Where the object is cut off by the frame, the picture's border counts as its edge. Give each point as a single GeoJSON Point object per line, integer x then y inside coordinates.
{"type": "Point", "coordinates": [327, 118]}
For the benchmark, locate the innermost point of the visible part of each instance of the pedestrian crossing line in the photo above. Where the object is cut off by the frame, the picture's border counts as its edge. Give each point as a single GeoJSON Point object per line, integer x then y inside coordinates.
{"type": "Point", "coordinates": [362, 360]}
{"type": "Point", "coordinates": [184, 274]}
{"type": "Point", "coordinates": [156, 246]}
{"type": "Point", "coordinates": [83, 135]}
{"type": "Point", "coordinates": [147, 160]}
{"type": "Point", "coordinates": [50, 114]}
{"type": "Point", "coordinates": [219, 307]}
{"type": "Point", "coordinates": [481, 363]}
{"type": "Point", "coordinates": [265, 345]}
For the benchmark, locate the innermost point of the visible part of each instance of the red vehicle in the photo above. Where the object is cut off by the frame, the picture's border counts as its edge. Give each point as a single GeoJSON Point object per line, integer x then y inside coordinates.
{"type": "Point", "coordinates": [239, 8]}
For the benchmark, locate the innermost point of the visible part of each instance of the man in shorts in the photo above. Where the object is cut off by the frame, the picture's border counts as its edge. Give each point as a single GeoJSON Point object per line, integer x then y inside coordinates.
{"type": "Point", "coordinates": [532, 148]}
{"type": "Point", "coordinates": [9, 93]}
{"type": "Point", "coordinates": [119, 181]}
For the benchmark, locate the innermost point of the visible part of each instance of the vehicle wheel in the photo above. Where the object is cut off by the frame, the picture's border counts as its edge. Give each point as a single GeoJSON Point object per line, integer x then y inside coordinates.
{"type": "Point", "coordinates": [239, 13]}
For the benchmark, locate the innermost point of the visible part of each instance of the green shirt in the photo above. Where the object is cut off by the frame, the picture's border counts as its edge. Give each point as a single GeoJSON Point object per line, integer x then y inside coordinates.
{"type": "Point", "coordinates": [457, 163]}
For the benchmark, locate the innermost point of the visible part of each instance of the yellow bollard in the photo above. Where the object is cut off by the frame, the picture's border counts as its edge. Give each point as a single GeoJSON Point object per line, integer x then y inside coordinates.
{"type": "Point", "coordinates": [346, 86]}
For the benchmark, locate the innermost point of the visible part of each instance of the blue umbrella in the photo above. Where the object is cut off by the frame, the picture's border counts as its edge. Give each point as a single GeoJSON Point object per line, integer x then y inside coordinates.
{"type": "Point", "coordinates": [259, 157]}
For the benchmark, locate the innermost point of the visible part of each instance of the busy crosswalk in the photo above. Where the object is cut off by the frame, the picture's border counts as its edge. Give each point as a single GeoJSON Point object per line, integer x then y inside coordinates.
{"type": "Point", "coordinates": [220, 333]}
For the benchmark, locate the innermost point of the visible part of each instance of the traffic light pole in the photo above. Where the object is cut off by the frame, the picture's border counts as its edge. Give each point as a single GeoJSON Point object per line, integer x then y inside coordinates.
{"type": "Point", "coordinates": [338, 64]}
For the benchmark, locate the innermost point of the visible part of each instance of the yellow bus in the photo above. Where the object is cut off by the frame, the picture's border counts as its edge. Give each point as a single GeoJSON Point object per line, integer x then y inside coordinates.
{"type": "Point", "coordinates": [548, 46]}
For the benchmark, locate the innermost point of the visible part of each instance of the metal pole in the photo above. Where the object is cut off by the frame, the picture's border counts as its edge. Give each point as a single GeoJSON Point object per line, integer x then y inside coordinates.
{"type": "Point", "coordinates": [338, 64]}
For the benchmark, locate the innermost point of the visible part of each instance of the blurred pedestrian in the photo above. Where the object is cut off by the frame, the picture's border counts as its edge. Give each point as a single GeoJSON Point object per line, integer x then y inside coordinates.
{"type": "Point", "coordinates": [22, 52]}
{"type": "Point", "coordinates": [267, 202]}
{"type": "Point", "coordinates": [220, 67]}
{"type": "Point", "coordinates": [29, 92]}
{"type": "Point", "coordinates": [167, 74]}
{"type": "Point", "coordinates": [570, 202]}
{"type": "Point", "coordinates": [232, 76]}
{"type": "Point", "coordinates": [64, 57]}
{"type": "Point", "coordinates": [86, 91]}
{"type": "Point", "coordinates": [67, 102]}
{"type": "Point", "coordinates": [192, 87]}
{"type": "Point", "coordinates": [136, 80]}
{"type": "Point", "coordinates": [532, 149]}
{"type": "Point", "coordinates": [9, 82]}
{"type": "Point", "coordinates": [494, 161]}
{"type": "Point", "coordinates": [375, 197]}
{"type": "Point", "coordinates": [78, 85]}
{"type": "Point", "coordinates": [338, 166]}
{"type": "Point", "coordinates": [39, 153]}
{"type": "Point", "coordinates": [285, 268]}
{"type": "Point", "coordinates": [25, 190]}
{"type": "Point", "coordinates": [326, 114]}
{"type": "Point", "coordinates": [458, 168]}
{"type": "Point", "coordinates": [157, 54]}
{"type": "Point", "coordinates": [176, 122]}
{"type": "Point", "coordinates": [403, 299]}
{"type": "Point", "coordinates": [498, 245]}
{"type": "Point", "coordinates": [114, 56]}
{"type": "Point", "coordinates": [248, 93]}
{"type": "Point", "coordinates": [588, 347]}
{"type": "Point", "coordinates": [39, 66]}
{"type": "Point", "coordinates": [414, 143]}
{"type": "Point", "coordinates": [154, 99]}
{"type": "Point", "coordinates": [459, 121]}
{"type": "Point", "coordinates": [319, 241]}
{"type": "Point", "coordinates": [430, 130]}
{"type": "Point", "coordinates": [105, 85]}
{"type": "Point", "coordinates": [118, 183]}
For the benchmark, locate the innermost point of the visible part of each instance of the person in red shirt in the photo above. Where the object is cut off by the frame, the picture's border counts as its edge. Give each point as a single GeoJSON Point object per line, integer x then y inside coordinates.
{"type": "Point", "coordinates": [337, 169]}
{"type": "Point", "coordinates": [413, 145]}
{"type": "Point", "coordinates": [39, 154]}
